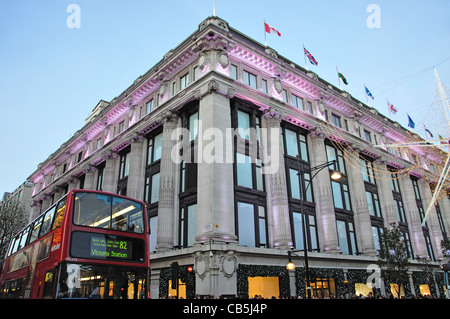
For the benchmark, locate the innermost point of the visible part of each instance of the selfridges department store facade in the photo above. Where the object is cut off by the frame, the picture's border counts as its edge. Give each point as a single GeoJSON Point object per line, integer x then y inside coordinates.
{"type": "Point", "coordinates": [209, 138]}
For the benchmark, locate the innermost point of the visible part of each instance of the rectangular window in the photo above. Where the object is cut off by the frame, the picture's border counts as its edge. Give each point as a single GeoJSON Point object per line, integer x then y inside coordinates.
{"type": "Point", "coordinates": [188, 225]}
{"type": "Point", "coordinates": [244, 125]}
{"type": "Point", "coordinates": [149, 106]}
{"type": "Point", "coordinates": [299, 229]}
{"type": "Point", "coordinates": [124, 168]}
{"type": "Point", "coordinates": [367, 171]}
{"type": "Point", "coordinates": [195, 74]}
{"type": "Point", "coordinates": [310, 107]}
{"type": "Point", "coordinates": [336, 120]}
{"type": "Point", "coordinates": [376, 235]}
{"type": "Point", "coordinates": [154, 195]}
{"type": "Point", "coordinates": [264, 86]}
{"type": "Point", "coordinates": [193, 126]}
{"type": "Point", "coordinates": [249, 79]}
{"type": "Point", "coordinates": [233, 72]}
{"type": "Point", "coordinates": [297, 102]}
{"type": "Point", "coordinates": [244, 170]}
{"type": "Point", "coordinates": [251, 233]}
{"type": "Point", "coordinates": [284, 95]}
{"type": "Point", "coordinates": [295, 142]}
{"type": "Point", "coordinates": [246, 225]}
{"type": "Point", "coordinates": [373, 204]}
{"type": "Point", "coordinates": [367, 136]}
{"type": "Point", "coordinates": [346, 237]}
{"type": "Point", "coordinates": [337, 195]}
{"type": "Point", "coordinates": [184, 81]}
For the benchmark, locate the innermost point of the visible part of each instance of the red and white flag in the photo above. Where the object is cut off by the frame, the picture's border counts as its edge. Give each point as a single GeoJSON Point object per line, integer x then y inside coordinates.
{"type": "Point", "coordinates": [270, 29]}
{"type": "Point", "coordinates": [392, 108]}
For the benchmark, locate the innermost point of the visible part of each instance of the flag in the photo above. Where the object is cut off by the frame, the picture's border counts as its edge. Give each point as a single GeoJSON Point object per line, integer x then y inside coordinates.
{"type": "Point", "coordinates": [368, 93]}
{"type": "Point", "coordinates": [270, 29]}
{"type": "Point", "coordinates": [392, 108]}
{"type": "Point", "coordinates": [310, 57]}
{"type": "Point", "coordinates": [427, 130]}
{"type": "Point", "coordinates": [343, 78]}
{"type": "Point", "coordinates": [411, 123]}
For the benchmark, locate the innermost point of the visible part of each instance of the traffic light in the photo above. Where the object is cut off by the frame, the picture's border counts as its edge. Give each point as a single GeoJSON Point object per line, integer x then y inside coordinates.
{"type": "Point", "coordinates": [175, 271]}
{"type": "Point", "coordinates": [446, 267]}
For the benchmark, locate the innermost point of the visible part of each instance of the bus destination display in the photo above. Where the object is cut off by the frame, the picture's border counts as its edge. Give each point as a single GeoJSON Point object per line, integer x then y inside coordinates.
{"type": "Point", "coordinates": [107, 248]}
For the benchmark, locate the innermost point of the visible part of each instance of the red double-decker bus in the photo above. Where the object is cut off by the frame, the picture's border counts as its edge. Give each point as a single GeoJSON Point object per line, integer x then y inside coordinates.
{"type": "Point", "coordinates": [89, 244]}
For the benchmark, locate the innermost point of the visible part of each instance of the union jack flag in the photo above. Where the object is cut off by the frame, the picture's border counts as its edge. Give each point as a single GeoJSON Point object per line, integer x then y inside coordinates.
{"type": "Point", "coordinates": [310, 57]}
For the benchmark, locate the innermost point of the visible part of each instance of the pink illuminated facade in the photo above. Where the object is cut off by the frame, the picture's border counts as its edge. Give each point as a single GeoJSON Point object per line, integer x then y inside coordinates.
{"type": "Point", "coordinates": [230, 219]}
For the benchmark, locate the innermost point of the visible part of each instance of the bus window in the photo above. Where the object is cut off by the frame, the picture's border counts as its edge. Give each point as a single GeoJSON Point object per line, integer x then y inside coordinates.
{"type": "Point", "coordinates": [24, 238]}
{"type": "Point", "coordinates": [16, 244]}
{"type": "Point", "coordinates": [48, 219]}
{"type": "Point", "coordinates": [59, 214]}
{"type": "Point", "coordinates": [127, 216]}
{"type": "Point", "coordinates": [92, 210]}
{"type": "Point", "coordinates": [36, 227]}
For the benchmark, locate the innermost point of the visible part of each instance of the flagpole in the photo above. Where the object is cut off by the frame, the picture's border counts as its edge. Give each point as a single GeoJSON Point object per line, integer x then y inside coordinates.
{"type": "Point", "coordinates": [265, 36]}
{"type": "Point", "coordinates": [339, 81]}
{"type": "Point", "coordinates": [389, 108]}
{"type": "Point", "coordinates": [214, 8]}
{"type": "Point", "coordinates": [365, 91]}
{"type": "Point", "coordinates": [304, 54]}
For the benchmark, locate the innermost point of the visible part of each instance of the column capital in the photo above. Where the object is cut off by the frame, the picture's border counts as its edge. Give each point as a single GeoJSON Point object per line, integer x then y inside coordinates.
{"type": "Point", "coordinates": [168, 117]}
{"type": "Point", "coordinates": [318, 133]}
{"type": "Point", "coordinates": [135, 137]}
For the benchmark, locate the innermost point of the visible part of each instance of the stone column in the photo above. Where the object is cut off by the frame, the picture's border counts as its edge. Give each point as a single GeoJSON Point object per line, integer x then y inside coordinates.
{"type": "Point", "coordinates": [215, 189]}
{"type": "Point", "coordinates": [35, 209]}
{"type": "Point", "coordinates": [136, 175]}
{"type": "Point", "coordinates": [167, 191]}
{"type": "Point", "coordinates": [110, 172]}
{"type": "Point", "coordinates": [413, 217]}
{"type": "Point", "coordinates": [89, 179]}
{"type": "Point", "coordinates": [387, 203]}
{"type": "Point", "coordinates": [275, 177]}
{"type": "Point", "coordinates": [432, 221]}
{"type": "Point", "coordinates": [323, 194]}
{"type": "Point", "coordinates": [444, 205]}
{"type": "Point", "coordinates": [363, 223]}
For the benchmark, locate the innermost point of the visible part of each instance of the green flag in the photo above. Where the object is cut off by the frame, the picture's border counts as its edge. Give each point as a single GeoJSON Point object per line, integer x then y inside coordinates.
{"type": "Point", "coordinates": [343, 78]}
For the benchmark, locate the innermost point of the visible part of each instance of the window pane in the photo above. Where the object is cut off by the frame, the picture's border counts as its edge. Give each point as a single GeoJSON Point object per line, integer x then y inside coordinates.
{"type": "Point", "coordinates": [259, 176]}
{"type": "Point", "coordinates": [342, 236]}
{"type": "Point", "coordinates": [246, 224]}
{"type": "Point", "coordinates": [291, 143]}
{"type": "Point", "coordinates": [36, 229]}
{"type": "Point", "coordinates": [312, 232]}
{"type": "Point", "coordinates": [157, 147]}
{"type": "Point", "coordinates": [92, 210]}
{"type": "Point", "coordinates": [153, 232]}
{"type": "Point", "coordinates": [370, 203]}
{"type": "Point", "coordinates": [127, 215]}
{"type": "Point", "coordinates": [294, 182]}
{"type": "Point", "coordinates": [193, 126]}
{"type": "Point", "coordinates": [376, 239]}
{"type": "Point", "coordinates": [262, 226]}
{"type": "Point", "coordinates": [154, 197]}
{"type": "Point", "coordinates": [244, 125]}
{"type": "Point", "coordinates": [192, 224]}
{"type": "Point", "coordinates": [244, 170]}
{"type": "Point", "coordinates": [298, 230]}
{"type": "Point", "coordinates": [337, 195]}
{"type": "Point", "coordinates": [48, 219]}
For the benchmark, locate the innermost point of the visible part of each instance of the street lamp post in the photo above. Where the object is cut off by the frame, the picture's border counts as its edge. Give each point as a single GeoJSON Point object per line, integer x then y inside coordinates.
{"type": "Point", "coordinates": [335, 175]}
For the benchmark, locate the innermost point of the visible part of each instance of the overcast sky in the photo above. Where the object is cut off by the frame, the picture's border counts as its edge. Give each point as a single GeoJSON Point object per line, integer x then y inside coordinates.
{"type": "Point", "coordinates": [53, 73]}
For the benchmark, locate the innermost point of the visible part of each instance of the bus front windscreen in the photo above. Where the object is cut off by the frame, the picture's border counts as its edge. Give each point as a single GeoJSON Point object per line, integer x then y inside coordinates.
{"type": "Point", "coordinates": [109, 212]}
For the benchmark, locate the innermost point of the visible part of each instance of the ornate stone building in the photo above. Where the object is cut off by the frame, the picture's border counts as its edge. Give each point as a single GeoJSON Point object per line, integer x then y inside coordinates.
{"type": "Point", "coordinates": [194, 138]}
